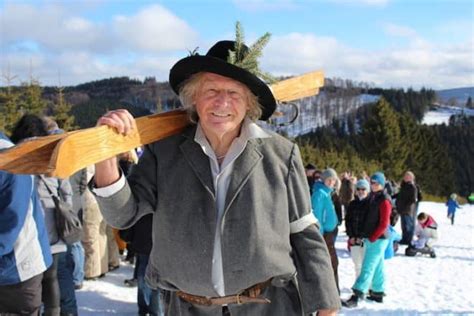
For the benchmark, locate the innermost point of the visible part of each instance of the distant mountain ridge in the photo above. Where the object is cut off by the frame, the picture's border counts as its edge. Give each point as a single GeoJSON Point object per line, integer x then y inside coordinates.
{"type": "Point", "coordinates": [459, 94]}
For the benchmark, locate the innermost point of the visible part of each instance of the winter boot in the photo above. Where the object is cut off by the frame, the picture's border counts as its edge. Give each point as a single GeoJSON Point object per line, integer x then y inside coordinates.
{"type": "Point", "coordinates": [429, 251]}
{"type": "Point", "coordinates": [353, 300]}
{"type": "Point", "coordinates": [376, 296]}
{"type": "Point", "coordinates": [410, 251]}
{"type": "Point", "coordinates": [131, 282]}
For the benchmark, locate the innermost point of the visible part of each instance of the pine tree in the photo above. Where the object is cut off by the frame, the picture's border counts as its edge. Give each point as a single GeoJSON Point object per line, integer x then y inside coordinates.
{"type": "Point", "coordinates": [437, 171]}
{"type": "Point", "coordinates": [62, 111]}
{"type": "Point", "coordinates": [469, 103]}
{"type": "Point", "coordinates": [31, 98]}
{"type": "Point", "coordinates": [9, 113]}
{"type": "Point", "coordinates": [159, 105]}
{"type": "Point", "coordinates": [382, 141]}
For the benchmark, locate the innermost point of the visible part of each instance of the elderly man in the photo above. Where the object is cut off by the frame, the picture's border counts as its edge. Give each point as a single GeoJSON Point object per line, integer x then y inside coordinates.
{"type": "Point", "coordinates": [233, 232]}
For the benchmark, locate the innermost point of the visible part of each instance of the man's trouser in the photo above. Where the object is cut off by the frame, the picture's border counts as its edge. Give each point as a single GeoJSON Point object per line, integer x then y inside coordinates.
{"type": "Point", "coordinates": [22, 298]}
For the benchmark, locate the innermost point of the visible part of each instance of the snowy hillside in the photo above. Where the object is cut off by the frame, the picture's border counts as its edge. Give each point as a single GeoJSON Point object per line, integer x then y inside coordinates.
{"type": "Point", "coordinates": [416, 285]}
{"type": "Point", "coordinates": [443, 113]}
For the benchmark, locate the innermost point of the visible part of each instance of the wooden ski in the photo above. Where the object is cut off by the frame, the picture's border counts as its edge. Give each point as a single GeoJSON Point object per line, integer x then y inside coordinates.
{"type": "Point", "coordinates": [64, 154]}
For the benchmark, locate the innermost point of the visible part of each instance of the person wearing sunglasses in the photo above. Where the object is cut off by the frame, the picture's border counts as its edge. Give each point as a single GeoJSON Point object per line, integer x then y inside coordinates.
{"type": "Point", "coordinates": [375, 233]}
{"type": "Point", "coordinates": [354, 220]}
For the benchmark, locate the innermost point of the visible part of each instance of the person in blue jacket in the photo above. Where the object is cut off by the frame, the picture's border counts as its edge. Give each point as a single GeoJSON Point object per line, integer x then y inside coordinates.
{"type": "Point", "coordinates": [325, 212]}
{"type": "Point", "coordinates": [24, 244]}
{"type": "Point", "coordinates": [452, 205]}
{"type": "Point", "coordinates": [393, 238]}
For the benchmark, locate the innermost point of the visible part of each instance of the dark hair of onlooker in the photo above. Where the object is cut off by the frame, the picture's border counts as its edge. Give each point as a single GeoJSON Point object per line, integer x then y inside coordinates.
{"type": "Point", "coordinates": [29, 125]}
{"type": "Point", "coordinates": [422, 216]}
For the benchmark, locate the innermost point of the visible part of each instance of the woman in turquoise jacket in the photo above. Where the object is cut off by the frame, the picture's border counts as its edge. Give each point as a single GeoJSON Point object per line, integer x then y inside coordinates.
{"type": "Point", "coordinates": [324, 211]}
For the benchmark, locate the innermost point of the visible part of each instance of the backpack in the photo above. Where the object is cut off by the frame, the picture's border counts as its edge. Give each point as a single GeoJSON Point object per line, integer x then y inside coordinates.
{"type": "Point", "coordinates": [68, 224]}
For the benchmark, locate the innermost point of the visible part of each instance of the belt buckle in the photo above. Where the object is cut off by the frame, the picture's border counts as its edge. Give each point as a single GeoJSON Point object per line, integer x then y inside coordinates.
{"type": "Point", "coordinates": [239, 302]}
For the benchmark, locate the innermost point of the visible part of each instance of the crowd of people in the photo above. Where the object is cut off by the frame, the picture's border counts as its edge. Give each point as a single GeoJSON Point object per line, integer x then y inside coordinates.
{"type": "Point", "coordinates": [371, 207]}
{"type": "Point", "coordinates": [221, 217]}
{"type": "Point", "coordinates": [69, 263]}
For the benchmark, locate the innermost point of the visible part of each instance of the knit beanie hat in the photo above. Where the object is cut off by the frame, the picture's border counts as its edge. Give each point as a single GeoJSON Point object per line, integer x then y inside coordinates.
{"type": "Point", "coordinates": [328, 173]}
{"type": "Point", "coordinates": [378, 177]}
{"type": "Point", "coordinates": [362, 183]}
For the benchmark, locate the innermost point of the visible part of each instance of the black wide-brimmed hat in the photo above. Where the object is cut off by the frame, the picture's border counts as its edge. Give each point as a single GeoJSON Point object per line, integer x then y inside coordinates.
{"type": "Point", "coordinates": [215, 61]}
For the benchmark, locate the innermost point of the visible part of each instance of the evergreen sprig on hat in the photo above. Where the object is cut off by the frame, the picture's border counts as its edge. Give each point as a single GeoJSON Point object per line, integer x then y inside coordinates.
{"type": "Point", "coordinates": [232, 59]}
{"type": "Point", "coordinates": [248, 58]}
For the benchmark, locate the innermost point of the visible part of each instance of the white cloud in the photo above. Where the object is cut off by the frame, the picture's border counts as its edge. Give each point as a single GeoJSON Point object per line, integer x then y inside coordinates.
{"type": "Point", "coordinates": [76, 24]}
{"type": "Point", "coordinates": [297, 53]}
{"type": "Point", "coordinates": [52, 28]}
{"type": "Point", "coordinates": [419, 64]}
{"type": "Point", "coordinates": [154, 29]}
{"type": "Point", "coordinates": [266, 5]}
{"type": "Point", "coordinates": [281, 5]}
{"type": "Point", "coordinates": [50, 39]}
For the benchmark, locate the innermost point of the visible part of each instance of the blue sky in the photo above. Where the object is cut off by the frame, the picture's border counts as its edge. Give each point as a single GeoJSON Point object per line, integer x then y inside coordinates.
{"type": "Point", "coordinates": [388, 43]}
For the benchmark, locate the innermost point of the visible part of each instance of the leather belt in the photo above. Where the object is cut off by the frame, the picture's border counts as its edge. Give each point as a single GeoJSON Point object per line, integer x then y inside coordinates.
{"type": "Point", "coordinates": [249, 295]}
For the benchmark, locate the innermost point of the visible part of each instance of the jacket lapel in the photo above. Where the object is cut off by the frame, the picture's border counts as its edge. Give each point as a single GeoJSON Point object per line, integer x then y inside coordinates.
{"type": "Point", "coordinates": [244, 166]}
{"type": "Point", "coordinates": [198, 160]}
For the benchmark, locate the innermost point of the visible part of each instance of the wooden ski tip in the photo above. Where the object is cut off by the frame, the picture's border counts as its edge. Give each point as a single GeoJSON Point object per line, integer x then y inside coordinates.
{"type": "Point", "coordinates": [298, 87]}
{"type": "Point", "coordinates": [31, 156]}
{"type": "Point", "coordinates": [89, 146]}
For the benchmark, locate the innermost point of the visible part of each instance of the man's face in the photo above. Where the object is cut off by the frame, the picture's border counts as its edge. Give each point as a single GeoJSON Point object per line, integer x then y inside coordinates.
{"type": "Point", "coordinates": [407, 178]}
{"type": "Point", "coordinates": [221, 104]}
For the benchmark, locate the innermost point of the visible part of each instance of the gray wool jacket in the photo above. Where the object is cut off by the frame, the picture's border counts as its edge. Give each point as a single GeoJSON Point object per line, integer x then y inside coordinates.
{"type": "Point", "coordinates": [267, 192]}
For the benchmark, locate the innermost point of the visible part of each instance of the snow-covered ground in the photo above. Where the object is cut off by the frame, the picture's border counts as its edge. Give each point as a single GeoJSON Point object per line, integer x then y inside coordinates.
{"type": "Point", "coordinates": [415, 285]}
{"type": "Point", "coordinates": [443, 285]}
{"type": "Point", "coordinates": [443, 113]}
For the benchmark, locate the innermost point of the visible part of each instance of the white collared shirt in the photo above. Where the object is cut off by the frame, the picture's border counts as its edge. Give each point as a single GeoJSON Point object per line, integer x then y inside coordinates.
{"type": "Point", "coordinates": [221, 176]}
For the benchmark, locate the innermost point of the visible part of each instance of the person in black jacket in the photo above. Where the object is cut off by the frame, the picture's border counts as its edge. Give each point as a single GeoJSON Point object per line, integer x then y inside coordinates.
{"type": "Point", "coordinates": [374, 231]}
{"type": "Point", "coordinates": [139, 237]}
{"type": "Point", "coordinates": [355, 216]}
{"type": "Point", "coordinates": [309, 170]}
{"type": "Point", "coordinates": [406, 200]}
